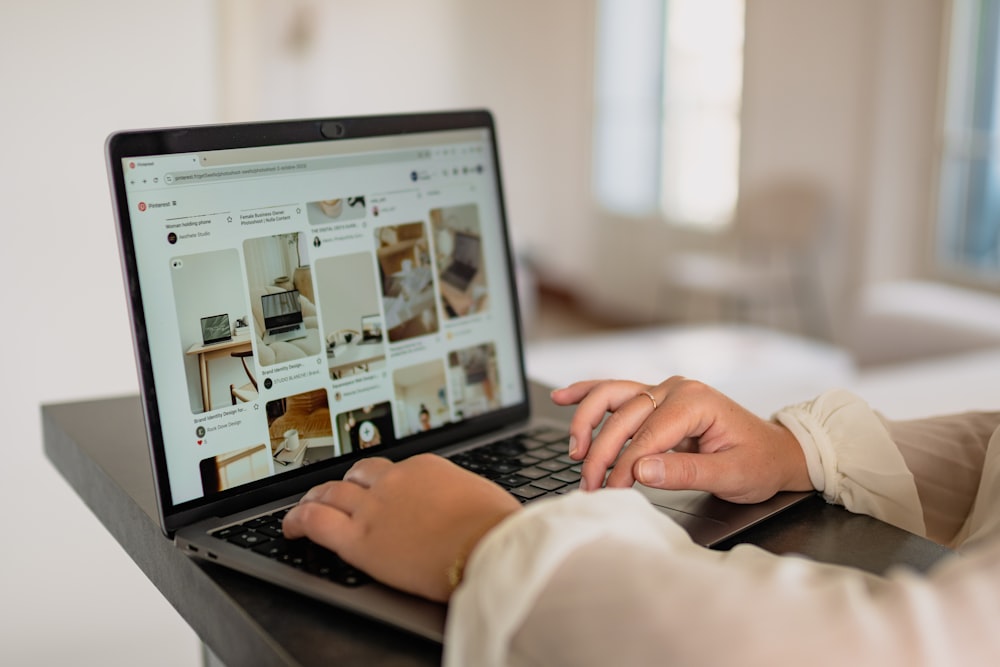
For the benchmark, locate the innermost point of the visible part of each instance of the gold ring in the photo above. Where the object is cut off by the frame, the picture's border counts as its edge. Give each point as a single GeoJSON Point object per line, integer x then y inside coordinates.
{"type": "Point", "coordinates": [650, 397]}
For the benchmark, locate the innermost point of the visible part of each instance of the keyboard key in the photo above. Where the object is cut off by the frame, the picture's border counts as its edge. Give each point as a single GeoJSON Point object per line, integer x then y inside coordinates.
{"type": "Point", "coordinates": [249, 539]}
{"type": "Point", "coordinates": [271, 549]}
{"type": "Point", "coordinates": [568, 476]}
{"type": "Point", "coordinates": [551, 436]}
{"type": "Point", "coordinates": [231, 531]}
{"type": "Point", "coordinates": [511, 481]}
{"type": "Point", "coordinates": [271, 530]}
{"type": "Point", "coordinates": [545, 453]}
{"type": "Point", "coordinates": [533, 473]}
{"type": "Point", "coordinates": [503, 467]}
{"type": "Point", "coordinates": [548, 484]}
{"type": "Point", "coordinates": [532, 445]}
{"type": "Point", "coordinates": [553, 465]}
{"type": "Point", "coordinates": [527, 492]}
{"type": "Point", "coordinates": [507, 448]}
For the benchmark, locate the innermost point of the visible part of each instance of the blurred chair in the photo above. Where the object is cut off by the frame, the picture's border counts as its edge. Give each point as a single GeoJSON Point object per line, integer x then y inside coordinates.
{"type": "Point", "coordinates": [247, 392]}
{"type": "Point", "coordinates": [764, 269]}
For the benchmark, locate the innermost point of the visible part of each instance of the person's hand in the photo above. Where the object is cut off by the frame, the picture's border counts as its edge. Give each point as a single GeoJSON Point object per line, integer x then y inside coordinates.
{"type": "Point", "coordinates": [406, 524]}
{"type": "Point", "coordinates": [684, 435]}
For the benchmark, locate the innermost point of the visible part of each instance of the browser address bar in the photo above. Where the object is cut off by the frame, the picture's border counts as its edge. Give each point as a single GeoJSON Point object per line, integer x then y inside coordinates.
{"type": "Point", "coordinates": [258, 170]}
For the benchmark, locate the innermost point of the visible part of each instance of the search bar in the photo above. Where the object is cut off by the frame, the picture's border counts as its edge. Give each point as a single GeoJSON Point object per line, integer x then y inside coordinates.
{"type": "Point", "coordinates": [259, 170]}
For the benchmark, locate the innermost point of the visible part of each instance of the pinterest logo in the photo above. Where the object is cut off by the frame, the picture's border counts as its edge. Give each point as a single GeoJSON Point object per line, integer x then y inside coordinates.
{"type": "Point", "coordinates": [142, 206]}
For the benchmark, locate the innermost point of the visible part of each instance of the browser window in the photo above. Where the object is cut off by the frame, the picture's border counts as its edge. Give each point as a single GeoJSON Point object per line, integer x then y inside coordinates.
{"type": "Point", "coordinates": [326, 260]}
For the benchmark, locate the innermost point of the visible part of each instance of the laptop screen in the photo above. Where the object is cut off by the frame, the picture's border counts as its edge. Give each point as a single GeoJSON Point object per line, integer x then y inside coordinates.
{"type": "Point", "coordinates": [281, 309]}
{"type": "Point", "coordinates": [215, 329]}
{"type": "Point", "coordinates": [349, 229]}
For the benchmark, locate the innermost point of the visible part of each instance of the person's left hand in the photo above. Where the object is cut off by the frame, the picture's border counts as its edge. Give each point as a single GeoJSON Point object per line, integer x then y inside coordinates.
{"type": "Point", "coordinates": [406, 524]}
{"type": "Point", "coordinates": [680, 434]}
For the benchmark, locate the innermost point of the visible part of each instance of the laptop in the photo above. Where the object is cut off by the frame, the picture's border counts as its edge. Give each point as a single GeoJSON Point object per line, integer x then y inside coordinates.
{"type": "Point", "coordinates": [215, 329]}
{"type": "Point", "coordinates": [465, 261]}
{"type": "Point", "coordinates": [211, 217]}
{"type": "Point", "coordinates": [282, 316]}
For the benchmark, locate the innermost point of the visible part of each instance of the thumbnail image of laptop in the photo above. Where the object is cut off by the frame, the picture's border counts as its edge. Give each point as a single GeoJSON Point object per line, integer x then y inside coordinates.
{"type": "Point", "coordinates": [215, 329]}
{"type": "Point", "coordinates": [282, 316]}
{"type": "Point", "coordinates": [465, 261]}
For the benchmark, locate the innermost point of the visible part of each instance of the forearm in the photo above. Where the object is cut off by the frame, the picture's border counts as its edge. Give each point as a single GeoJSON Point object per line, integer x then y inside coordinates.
{"type": "Point", "coordinates": [945, 455]}
{"type": "Point", "coordinates": [853, 460]}
{"type": "Point", "coordinates": [610, 603]}
{"type": "Point", "coordinates": [921, 475]}
{"type": "Point", "coordinates": [602, 578]}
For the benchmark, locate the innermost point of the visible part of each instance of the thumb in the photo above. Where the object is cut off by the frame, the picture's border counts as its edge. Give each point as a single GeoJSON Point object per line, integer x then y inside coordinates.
{"type": "Point", "coordinates": [684, 471]}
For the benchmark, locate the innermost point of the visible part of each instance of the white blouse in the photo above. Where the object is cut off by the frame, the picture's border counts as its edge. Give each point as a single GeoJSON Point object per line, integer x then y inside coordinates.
{"type": "Point", "coordinates": [604, 579]}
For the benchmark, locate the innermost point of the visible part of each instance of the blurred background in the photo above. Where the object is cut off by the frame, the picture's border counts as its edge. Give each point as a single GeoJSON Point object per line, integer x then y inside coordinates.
{"type": "Point", "coordinates": [827, 171]}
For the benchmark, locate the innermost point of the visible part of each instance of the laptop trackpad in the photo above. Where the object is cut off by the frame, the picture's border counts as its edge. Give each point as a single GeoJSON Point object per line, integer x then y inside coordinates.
{"type": "Point", "coordinates": [706, 519]}
{"type": "Point", "coordinates": [709, 520]}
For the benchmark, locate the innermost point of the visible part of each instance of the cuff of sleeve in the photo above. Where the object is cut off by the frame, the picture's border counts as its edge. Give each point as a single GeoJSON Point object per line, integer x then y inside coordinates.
{"type": "Point", "coordinates": [852, 459]}
{"type": "Point", "coordinates": [801, 429]}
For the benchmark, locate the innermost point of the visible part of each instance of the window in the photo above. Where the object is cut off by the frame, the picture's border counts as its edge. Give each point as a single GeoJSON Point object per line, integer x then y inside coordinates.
{"type": "Point", "coordinates": [667, 109]}
{"type": "Point", "coordinates": [967, 243]}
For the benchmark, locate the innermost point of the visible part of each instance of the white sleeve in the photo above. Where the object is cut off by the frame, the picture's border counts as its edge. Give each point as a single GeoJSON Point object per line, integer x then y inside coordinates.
{"type": "Point", "coordinates": [946, 455]}
{"type": "Point", "coordinates": [602, 578]}
{"type": "Point", "coordinates": [853, 460]}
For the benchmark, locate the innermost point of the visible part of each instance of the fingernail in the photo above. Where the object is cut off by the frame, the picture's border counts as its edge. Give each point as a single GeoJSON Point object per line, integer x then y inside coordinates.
{"type": "Point", "coordinates": [650, 471]}
{"type": "Point", "coordinates": [583, 484]}
{"type": "Point", "coordinates": [572, 445]}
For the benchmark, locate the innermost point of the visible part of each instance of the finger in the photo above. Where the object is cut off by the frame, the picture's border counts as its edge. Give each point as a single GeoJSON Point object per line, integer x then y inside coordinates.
{"type": "Point", "coordinates": [677, 419]}
{"type": "Point", "coordinates": [575, 392]}
{"type": "Point", "coordinates": [719, 474]}
{"type": "Point", "coordinates": [625, 419]}
{"type": "Point", "coordinates": [604, 397]}
{"type": "Point", "coordinates": [344, 496]}
{"type": "Point", "coordinates": [365, 472]}
{"type": "Point", "coordinates": [679, 471]}
{"type": "Point", "coordinates": [323, 524]}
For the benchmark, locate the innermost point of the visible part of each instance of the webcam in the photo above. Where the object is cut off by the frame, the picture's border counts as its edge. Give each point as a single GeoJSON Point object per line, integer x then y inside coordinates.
{"type": "Point", "coordinates": [332, 129]}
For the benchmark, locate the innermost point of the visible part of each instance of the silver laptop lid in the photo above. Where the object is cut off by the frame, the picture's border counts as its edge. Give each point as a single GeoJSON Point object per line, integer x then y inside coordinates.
{"type": "Point", "coordinates": [352, 218]}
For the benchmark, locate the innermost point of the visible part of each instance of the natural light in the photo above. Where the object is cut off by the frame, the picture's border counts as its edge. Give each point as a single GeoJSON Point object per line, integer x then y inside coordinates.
{"type": "Point", "coordinates": [669, 87]}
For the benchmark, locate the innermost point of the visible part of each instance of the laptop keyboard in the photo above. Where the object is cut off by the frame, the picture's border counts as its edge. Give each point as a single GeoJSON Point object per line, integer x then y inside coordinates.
{"type": "Point", "coordinates": [530, 466]}
{"type": "Point", "coordinates": [263, 535]}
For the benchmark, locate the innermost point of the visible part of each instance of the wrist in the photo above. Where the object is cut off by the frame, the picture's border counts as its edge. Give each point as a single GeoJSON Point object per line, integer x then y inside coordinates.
{"type": "Point", "coordinates": [455, 573]}
{"type": "Point", "coordinates": [795, 469]}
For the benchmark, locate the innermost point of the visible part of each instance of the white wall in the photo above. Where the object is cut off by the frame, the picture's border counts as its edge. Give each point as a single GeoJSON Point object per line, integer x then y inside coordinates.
{"type": "Point", "coordinates": [529, 62]}
{"type": "Point", "coordinates": [71, 72]}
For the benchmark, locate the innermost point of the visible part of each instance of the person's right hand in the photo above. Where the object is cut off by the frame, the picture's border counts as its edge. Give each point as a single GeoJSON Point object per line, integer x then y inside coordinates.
{"type": "Point", "coordinates": [684, 435]}
{"type": "Point", "coordinates": [403, 523]}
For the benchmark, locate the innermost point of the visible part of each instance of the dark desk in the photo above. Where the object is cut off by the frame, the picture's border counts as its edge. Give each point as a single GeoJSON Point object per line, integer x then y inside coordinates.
{"type": "Point", "coordinates": [99, 447]}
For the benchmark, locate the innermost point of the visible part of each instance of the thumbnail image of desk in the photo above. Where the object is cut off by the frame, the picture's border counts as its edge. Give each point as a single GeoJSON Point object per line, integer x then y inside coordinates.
{"type": "Point", "coordinates": [358, 355]}
{"type": "Point", "coordinates": [207, 352]}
